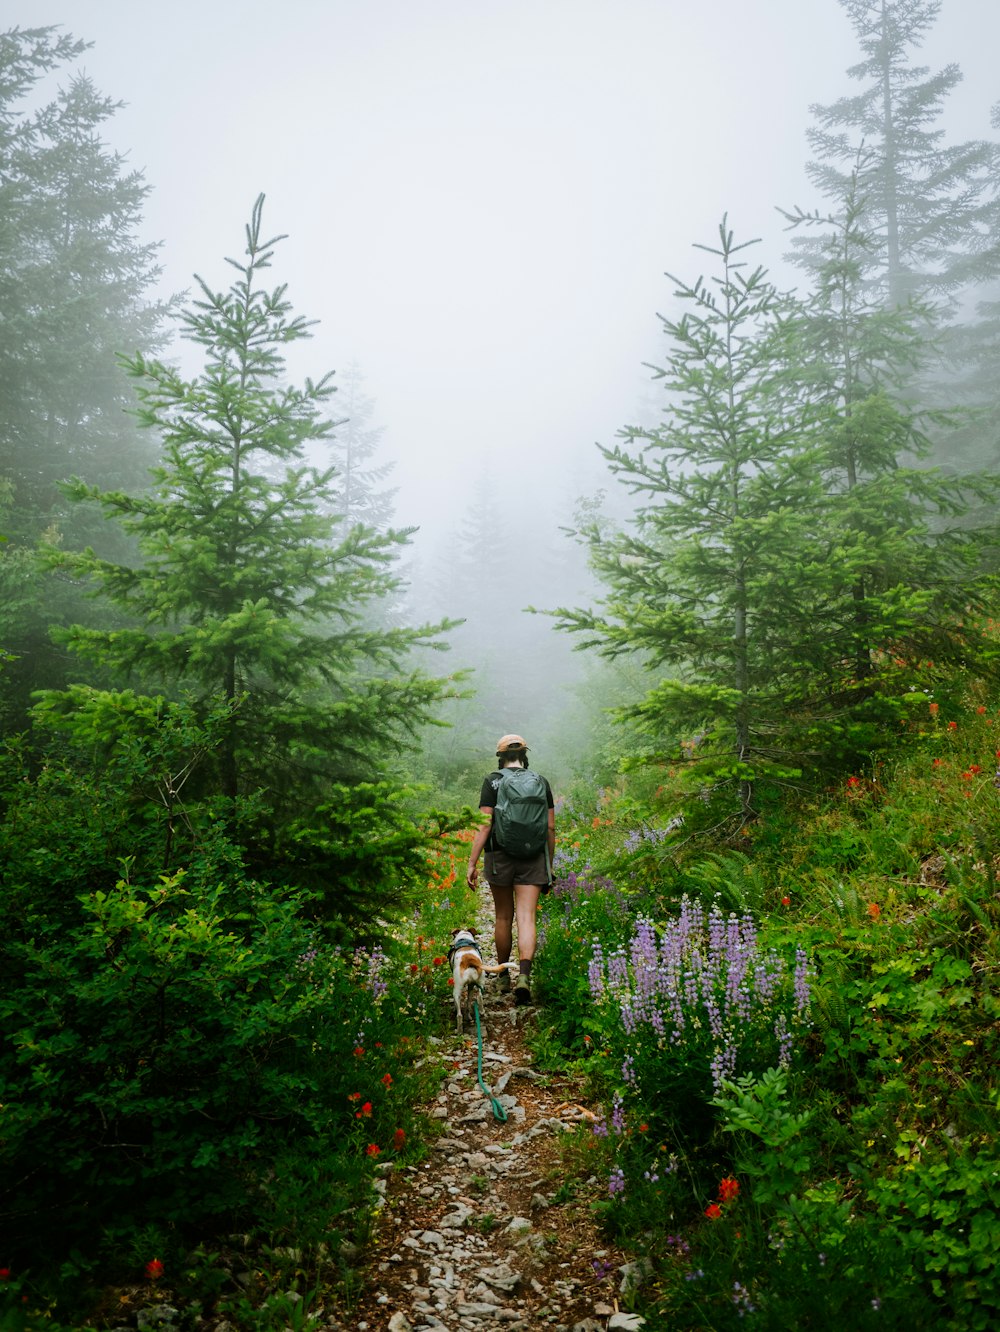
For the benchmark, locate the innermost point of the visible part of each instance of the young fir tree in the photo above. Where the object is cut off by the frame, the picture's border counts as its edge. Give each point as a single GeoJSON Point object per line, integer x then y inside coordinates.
{"type": "Point", "coordinates": [927, 203]}
{"type": "Point", "coordinates": [251, 592]}
{"type": "Point", "coordinates": [713, 588]}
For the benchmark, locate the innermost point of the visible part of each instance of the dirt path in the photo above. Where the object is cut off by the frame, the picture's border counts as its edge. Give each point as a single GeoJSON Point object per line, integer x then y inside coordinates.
{"type": "Point", "coordinates": [487, 1233]}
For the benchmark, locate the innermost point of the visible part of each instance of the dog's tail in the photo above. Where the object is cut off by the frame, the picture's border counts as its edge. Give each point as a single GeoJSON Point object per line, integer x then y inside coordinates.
{"type": "Point", "coordinates": [494, 968]}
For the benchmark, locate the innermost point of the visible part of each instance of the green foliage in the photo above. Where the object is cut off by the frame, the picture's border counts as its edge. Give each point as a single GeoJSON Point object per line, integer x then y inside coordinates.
{"type": "Point", "coordinates": [75, 279]}
{"type": "Point", "coordinates": [791, 566]}
{"type": "Point", "coordinates": [945, 1209]}
{"type": "Point", "coordinates": [193, 1062]}
{"type": "Point", "coordinates": [277, 693]}
{"type": "Point", "coordinates": [157, 1051]}
{"type": "Point", "coordinates": [860, 1188]}
{"type": "Point", "coordinates": [773, 1155]}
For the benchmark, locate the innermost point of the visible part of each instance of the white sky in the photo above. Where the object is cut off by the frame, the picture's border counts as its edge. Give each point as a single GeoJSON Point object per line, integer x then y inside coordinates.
{"type": "Point", "coordinates": [481, 198]}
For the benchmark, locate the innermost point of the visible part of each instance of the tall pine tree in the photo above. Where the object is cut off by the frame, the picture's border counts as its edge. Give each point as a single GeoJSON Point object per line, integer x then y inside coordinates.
{"type": "Point", "coordinates": [75, 281]}
{"type": "Point", "coordinates": [711, 587]}
{"type": "Point", "coordinates": [908, 562]}
{"type": "Point", "coordinates": [74, 293]}
{"type": "Point", "coordinates": [251, 592]}
{"type": "Point", "coordinates": [926, 202]}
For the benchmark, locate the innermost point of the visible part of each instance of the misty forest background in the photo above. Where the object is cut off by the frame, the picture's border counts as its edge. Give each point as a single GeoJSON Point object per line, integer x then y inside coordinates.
{"type": "Point", "coordinates": [234, 702]}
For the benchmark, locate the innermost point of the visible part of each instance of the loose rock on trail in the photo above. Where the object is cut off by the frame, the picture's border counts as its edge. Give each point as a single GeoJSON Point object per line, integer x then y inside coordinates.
{"type": "Point", "coordinates": [487, 1233]}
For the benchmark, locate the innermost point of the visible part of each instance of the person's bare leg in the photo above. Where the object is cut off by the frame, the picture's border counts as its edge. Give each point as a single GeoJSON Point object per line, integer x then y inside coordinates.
{"type": "Point", "coordinates": [503, 904]}
{"type": "Point", "coordinates": [526, 905]}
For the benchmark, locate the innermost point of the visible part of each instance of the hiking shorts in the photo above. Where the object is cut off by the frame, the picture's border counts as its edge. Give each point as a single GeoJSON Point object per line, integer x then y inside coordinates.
{"type": "Point", "coordinates": [503, 871]}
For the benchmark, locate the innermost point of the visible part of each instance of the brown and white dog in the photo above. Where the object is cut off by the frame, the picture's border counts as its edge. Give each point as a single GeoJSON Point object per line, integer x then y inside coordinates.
{"type": "Point", "coordinates": [467, 971]}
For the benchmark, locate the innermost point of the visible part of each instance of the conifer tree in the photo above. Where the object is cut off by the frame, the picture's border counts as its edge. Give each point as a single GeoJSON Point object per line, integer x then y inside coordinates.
{"type": "Point", "coordinates": [74, 282]}
{"type": "Point", "coordinates": [909, 565]}
{"type": "Point", "coordinates": [927, 203]}
{"type": "Point", "coordinates": [782, 561]}
{"type": "Point", "coordinates": [710, 589]}
{"type": "Point", "coordinates": [251, 591]}
{"type": "Point", "coordinates": [74, 293]}
{"type": "Point", "coordinates": [353, 445]}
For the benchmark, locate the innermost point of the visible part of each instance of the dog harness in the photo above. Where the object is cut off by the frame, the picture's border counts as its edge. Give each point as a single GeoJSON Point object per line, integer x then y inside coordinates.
{"type": "Point", "coordinates": [460, 944]}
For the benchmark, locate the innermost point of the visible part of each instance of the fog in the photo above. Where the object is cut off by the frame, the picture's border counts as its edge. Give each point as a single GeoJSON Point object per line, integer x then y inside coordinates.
{"type": "Point", "coordinates": [481, 200]}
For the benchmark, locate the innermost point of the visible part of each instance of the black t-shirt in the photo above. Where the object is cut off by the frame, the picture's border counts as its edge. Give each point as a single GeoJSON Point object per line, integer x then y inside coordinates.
{"type": "Point", "coordinates": [488, 796]}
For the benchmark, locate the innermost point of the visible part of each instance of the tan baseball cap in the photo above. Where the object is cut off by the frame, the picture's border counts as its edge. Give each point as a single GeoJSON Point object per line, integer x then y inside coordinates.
{"type": "Point", "coordinates": [509, 742]}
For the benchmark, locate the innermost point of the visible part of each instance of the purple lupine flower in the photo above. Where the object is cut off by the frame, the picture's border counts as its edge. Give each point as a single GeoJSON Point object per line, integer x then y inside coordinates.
{"type": "Point", "coordinates": [595, 971]}
{"type": "Point", "coordinates": [376, 961]}
{"type": "Point", "coordinates": [741, 1298]}
{"type": "Point", "coordinates": [616, 1182]}
{"type": "Point", "coordinates": [618, 1115]}
{"type": "Point", "coordinates": [801, 982]}
{"type": "Point", "coordinates": [618, 977]}
{"type": "Point", "coordinates": [784, 1038]}
{"type": "Point", "coordinates": [705, 979]}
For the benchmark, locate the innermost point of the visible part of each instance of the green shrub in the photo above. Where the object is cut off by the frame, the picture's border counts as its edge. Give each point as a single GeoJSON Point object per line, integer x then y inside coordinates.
{"type": "Point", "coordinates": [161, 1056]}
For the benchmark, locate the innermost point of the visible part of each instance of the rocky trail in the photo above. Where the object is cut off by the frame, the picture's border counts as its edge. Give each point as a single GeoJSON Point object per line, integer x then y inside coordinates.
{"type": "Point", "coordinates": [487, 1233]}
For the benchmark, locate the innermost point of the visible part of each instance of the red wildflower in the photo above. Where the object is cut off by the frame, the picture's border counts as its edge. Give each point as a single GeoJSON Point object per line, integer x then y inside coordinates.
{"type": "Point", "coordinates": [713, 1211]}
{"type": "Point", "coordinates": [154, 1269]}
{"type": "Point", "coordinates": [414, 968]}
{"type": "Point", "coordinates": [933, 708]}
{"type": "Point", "coordinates": [4, 1273]}
{"type": "Point", "coordinates": [366, 1109]}
{"type": "Point", "coordinates": [354, 1096]}
{"type": "Point", "coordinates": [643, 1128]}
{"type": "Point", "coordinates": [953, 726]}
{"type": "Point", "coordinates": [938, 762]}
{"type": "Point", "coordinates": [786, 901]}
{"type": "Point", "coordinates": [874, 910]}
{"type": "Point", "coordinates": [852, 782]}
{"type": "Point", "coordinates": [451, 980]}
{"type": "Point", "coordinates": [398, 1138]}
{"type": "Point", "coordinates": [387, 1079]}
{"type": "Point", "coordinates": [980, 709]}
{"type": "Point", "coordinates": [974, 768]}
{"type": "Point", "coordinates": [358, 1051]}
{"type": "Point", "coordinates": [438, 961]}
{"type": "Point", "coordinates": [373, 1149]}
{"type": "Point", "coordinates": [729, 1190]}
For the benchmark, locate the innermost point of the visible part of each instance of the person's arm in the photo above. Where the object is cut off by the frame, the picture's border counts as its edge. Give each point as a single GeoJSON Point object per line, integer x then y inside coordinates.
{"type": "Point", "coordinates": [478, 842]}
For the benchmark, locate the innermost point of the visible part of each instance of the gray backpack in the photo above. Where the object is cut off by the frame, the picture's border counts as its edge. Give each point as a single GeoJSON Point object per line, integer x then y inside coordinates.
{"type": "Point", "coordinates": [521, 817]}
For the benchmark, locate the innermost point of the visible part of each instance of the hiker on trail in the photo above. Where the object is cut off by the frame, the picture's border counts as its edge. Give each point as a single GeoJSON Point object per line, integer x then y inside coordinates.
{"type": "Point", "coordinates": [520, 842]}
